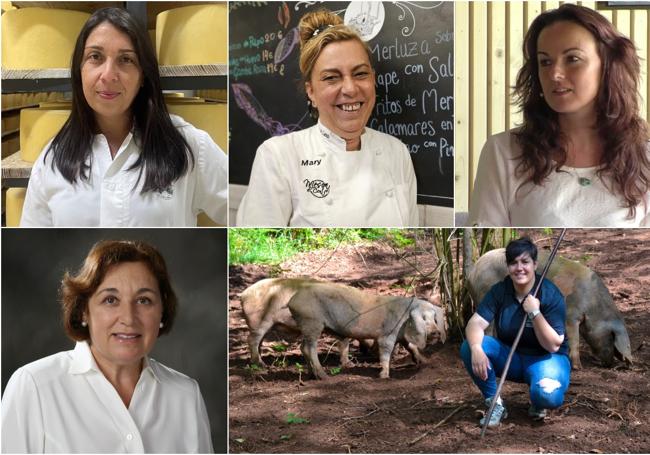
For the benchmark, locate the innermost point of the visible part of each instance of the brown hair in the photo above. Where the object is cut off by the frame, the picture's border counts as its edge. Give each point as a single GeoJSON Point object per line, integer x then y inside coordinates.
{"type": "Point", "coordinates": [623, 132]}
{"type": "Point", "coordinates": [77, 289]}
{"type": "Point", "coordinates": [317, 30]}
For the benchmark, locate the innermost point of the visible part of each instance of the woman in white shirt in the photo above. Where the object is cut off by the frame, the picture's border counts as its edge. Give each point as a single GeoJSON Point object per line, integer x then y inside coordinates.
{"type": "Point", "coordinates": [121, 159]}
{"type": "Point", "coordinates": [107, 395]}
{"type": "Point", "coordinates": [338, 172]}
{"type": "Point", "coordinates": [581, 157]}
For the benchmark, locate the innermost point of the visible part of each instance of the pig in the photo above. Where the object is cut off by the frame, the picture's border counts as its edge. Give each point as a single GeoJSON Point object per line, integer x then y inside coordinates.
{"type": "Point", "coordinates": [265, 306]}
{"type": "Point", "coordinates": [590, 309]}
{"type": "Point", "coordinates": [348, 312]}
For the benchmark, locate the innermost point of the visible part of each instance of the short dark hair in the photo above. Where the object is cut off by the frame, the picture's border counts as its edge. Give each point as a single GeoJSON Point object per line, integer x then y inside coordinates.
{"type": "Point", "coordinates": [518, 247]}
{"type": "Point", "coordinates": [165, 155]}
{"type": "Point", "coordinates": [77, 289]}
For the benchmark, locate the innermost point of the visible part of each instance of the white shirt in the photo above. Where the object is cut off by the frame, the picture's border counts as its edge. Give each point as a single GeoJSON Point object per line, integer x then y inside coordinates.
{"type": "Point", "coordinates": [307, 178]}
{"type": "Point", "coordinates": [64, 404]}
{"type": "Point", "coordinates": [108, 198]}
{"type": "Point", "coordinates": [560, 202]}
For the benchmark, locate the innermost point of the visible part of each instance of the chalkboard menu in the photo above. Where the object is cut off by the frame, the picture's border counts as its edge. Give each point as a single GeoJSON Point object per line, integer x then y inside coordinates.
{"type": "Point", "coordinates": [412, 48]}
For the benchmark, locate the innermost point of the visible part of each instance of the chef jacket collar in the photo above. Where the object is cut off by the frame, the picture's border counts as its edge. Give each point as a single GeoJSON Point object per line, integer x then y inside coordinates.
{"type": "Point", "coordinates": [125, 143]}
{"type": "Point", "coordinates": [84, 362]}
{"type": "Point", "coordinates": [334, 141]}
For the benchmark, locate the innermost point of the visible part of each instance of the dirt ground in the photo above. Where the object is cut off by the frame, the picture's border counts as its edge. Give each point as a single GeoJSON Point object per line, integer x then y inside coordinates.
{"type": "Point", "coordinates": [435, 408]}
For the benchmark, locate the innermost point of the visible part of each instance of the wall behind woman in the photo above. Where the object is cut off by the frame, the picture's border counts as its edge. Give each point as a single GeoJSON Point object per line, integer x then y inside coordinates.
{"type": "Point", "coordinates": [488, 40]}
{"type": "Point", "coordinates": [34, 261]}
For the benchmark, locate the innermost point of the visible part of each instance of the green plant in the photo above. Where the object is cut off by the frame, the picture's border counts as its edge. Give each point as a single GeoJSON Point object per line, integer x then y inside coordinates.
{"type": "Point", "coordinates": [279, 347]}
{"type": "Point", "coordinates": [294, 419]}
{"type": "Point", "coordinates": [335, 370]}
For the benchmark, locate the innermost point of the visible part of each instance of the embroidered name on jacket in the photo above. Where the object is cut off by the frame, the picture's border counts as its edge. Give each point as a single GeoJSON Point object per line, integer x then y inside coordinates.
{"type": "Point", "coordinates": [310, 162]}
{"type": "Point", "coordinates": [317, 188]}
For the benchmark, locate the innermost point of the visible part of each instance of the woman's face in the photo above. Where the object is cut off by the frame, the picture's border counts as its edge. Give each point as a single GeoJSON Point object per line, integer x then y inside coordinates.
{"type": "Point", "coordinates": [342, 88]}
{"type": "Point", "coordinates": [522, 270]}
{"type": "Point", "coordinates": [110, 72]}
{"type": "Point", "coordinates": [124, 315]}
{"type": "Point", "coordinates": [569, 68]}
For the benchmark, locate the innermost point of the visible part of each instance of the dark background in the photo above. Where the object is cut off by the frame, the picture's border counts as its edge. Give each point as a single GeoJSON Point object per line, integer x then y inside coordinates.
{"type": "Point", "coordinates": [34, 261]}
{"type": "Point", "coordinates": [417, 35]}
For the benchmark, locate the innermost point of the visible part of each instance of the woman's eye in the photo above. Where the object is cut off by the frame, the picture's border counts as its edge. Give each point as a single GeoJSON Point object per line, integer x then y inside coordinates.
{"type": "Point", "coordinates": [573, 59]}
{"type": "Point", "coordinates": [94, 57]}
{"type": "Point", "coordinates": [127, 59]}
{"type": "Point", "coordinates": [330, 78]}
{"type": "Point", "coordinates": [143, 301]}
{"type": "Point", "coordinates": [361, 74]}
{"type": "Point", "coordinates": [110, 300]}
{"type": "Point", "coordinates": [544, 62]}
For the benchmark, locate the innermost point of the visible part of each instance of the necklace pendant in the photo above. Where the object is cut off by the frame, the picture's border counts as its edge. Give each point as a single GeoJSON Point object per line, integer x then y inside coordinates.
{"type": "Point", "coordinates": [584, 181]}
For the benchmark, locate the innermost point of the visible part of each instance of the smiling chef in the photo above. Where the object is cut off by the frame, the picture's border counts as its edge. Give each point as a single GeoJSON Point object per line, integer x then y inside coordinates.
{"type": "Point", "coordinates": [338, 172]}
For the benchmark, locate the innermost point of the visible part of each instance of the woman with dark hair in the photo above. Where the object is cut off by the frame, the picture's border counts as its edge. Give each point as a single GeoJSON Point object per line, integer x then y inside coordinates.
{"type": "Point", "coordinates": [338, 172]}
{"type": "Point", "coordinates": [581, 157]}
{"type": "Point", "coordinates": [541, 359]}
{"type": "Point", "coordinates": [121, 159]}
{"type": "Point", "coordinates": [107, 395]}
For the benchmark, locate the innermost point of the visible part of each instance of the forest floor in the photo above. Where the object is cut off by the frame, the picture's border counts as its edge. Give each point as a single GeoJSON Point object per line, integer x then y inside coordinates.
{"type": "Point", "coordinates": [435, 408]}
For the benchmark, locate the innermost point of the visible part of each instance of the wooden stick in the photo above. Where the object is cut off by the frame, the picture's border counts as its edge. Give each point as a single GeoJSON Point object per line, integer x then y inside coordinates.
{"type": "Point", "coordinates": [442, 422]}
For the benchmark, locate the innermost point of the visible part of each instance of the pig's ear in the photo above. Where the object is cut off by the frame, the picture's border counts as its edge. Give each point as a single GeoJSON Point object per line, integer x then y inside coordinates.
{"type": "Point", "coordinates": [622, 343]}
{"type": "Point", "coordinates": [415, 331]}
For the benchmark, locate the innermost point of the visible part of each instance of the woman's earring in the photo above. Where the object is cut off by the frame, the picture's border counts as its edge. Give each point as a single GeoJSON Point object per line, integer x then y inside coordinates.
{"type": "Point", "coordinates": [541, 94]}
{"type": "Point", "coordinates": [162, 325]}
{"type": "Point", "coordinates": [84, 324]}
{"type": "Point", "coordinates": [313, 111]}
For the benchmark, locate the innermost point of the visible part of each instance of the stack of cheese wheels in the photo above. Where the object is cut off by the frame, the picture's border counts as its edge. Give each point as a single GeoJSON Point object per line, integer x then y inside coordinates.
{"type": "Point", "coordinates": [37, 127]}
{"type": "Point", "coordinates": [192, 35]}
{"type": "Point", "coordinates": [209, 117]}
{"type": "Point", "coordinates": [38, 38]}
{"type": "Point", "coordinates": [15, 198]}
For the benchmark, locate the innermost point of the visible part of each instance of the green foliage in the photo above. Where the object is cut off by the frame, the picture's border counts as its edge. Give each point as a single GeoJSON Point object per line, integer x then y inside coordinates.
{"type": "Point", "coordinates": [279, 347]}
{"type": "Point", "coordinates": [585, 258]}
{"type": "Point", "coordinates": [300, 368]}
{"type": "Point", "coordinates": [335, 370]}
{"type": "Point", "coordinates": [294, 419]}
{"type": "Point", "coordinates": [273, 246]}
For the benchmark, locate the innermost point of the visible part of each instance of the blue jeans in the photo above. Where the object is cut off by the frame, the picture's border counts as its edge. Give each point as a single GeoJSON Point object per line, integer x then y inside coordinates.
{"type": "Point", "coordinates": [547, 375]}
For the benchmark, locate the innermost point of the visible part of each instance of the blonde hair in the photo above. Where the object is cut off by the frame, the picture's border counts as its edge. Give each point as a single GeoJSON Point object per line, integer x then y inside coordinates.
{"type": "Point", "coordinates": [317, 30]}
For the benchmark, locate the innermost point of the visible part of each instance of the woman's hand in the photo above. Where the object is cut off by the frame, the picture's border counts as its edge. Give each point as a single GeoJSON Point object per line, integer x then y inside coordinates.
{"type": "Point", "coordinates": [480, 362]}
{"type": "Point", "coordinates": [530, 303]}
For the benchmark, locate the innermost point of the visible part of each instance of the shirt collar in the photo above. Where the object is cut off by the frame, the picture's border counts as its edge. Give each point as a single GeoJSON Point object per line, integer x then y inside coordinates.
{"type": "Point", "coordinates": [332, 140]}
{"type": "Point", "coordinates": [84, 362]}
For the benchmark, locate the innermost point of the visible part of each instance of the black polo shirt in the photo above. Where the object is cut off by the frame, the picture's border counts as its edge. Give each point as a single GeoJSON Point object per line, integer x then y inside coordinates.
{"type": "Point", "coordinates": [500, 305]}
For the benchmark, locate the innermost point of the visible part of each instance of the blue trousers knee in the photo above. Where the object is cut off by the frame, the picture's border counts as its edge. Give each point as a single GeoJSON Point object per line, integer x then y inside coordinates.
{"type": "Point", "coordinates": [548, 375]}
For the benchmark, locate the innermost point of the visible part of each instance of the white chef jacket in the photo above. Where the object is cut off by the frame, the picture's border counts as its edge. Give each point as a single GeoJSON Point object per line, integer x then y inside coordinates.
{"type": "Point", "coordinates": [307, 178]}
{"type": "Point", "coordinates": [108, 198]}
{"type": "Point", "coordinates": [64, 404]}
{"type": "Point", "coordinates": [560, 202]}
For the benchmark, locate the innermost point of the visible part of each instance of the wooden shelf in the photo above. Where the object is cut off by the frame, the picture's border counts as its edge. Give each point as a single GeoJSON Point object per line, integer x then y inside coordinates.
{"type": "Point", "coordinates": [173, 77]}
{"type": "Point", "coordinates": [17, 108]}
{"type": "Point", "coordinates": [10, 132]}
{"type": "Point", "coordinates": [15, 171]}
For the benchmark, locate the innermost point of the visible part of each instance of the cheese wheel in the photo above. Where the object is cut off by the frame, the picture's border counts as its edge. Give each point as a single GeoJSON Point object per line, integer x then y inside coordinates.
{"type": "Point", "coordinates": [37, 127]}
{"type": "Point", "coordinates": [209, 117]}
{"type": "Point", "coordinates": [36, 38]}
{"type": "Point", "coordinates": [192, 35]}
{"type": "Point", "coordinates": [15, 198]}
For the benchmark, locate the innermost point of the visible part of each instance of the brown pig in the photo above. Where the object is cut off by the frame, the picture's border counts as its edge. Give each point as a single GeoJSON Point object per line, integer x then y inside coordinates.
{"type": "Point", "coordinates": [590, 309]}
{"type": "Point", "coordinates": [348, 312]}
{"type": "Point", "coordinates": [265, 307]}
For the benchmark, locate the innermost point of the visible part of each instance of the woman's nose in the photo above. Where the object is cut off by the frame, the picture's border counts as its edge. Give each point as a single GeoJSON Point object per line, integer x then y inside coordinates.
{"type": "Point", "coordinates": [109, 70]}
{"type": "Point", "coordinates": [557, 72]}
{"type": "Point", "coordinates": [349, 86]}
{"type": "Point", "coordinates": [127, 313]}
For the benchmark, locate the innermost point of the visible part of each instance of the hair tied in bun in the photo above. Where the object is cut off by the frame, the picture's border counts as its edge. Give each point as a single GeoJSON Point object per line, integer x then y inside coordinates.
{"type": "Point", "coordinates": [321, 29]}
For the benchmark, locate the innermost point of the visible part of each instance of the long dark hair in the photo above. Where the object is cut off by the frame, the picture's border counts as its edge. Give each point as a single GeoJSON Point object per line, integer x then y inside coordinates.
{"type": "Point", "coordinates": [165, 155]}
{"type": "Point", "coordinates": [623, 132]}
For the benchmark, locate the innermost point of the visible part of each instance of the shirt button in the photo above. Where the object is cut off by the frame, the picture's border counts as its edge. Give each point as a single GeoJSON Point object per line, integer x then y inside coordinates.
{"type": "Point", "coordinates": [389, 193]}
{"type": "Point", "coordinates": [129, 437]}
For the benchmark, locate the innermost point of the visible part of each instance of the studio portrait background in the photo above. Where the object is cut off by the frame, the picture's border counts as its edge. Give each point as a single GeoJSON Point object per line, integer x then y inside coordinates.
{"type": "Point", "coordinates": [34, 261]}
